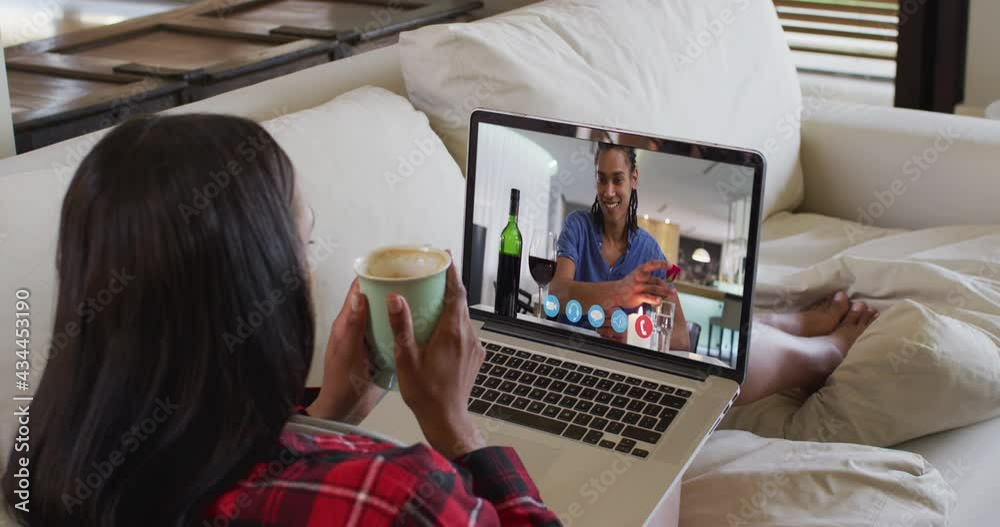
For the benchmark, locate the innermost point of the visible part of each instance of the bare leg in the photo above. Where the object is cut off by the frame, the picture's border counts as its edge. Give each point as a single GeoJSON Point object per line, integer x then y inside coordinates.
{"type": "Point", "coordinates": [780, 361]}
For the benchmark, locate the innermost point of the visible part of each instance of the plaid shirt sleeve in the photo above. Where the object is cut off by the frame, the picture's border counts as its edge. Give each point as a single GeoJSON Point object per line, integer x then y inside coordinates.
{"type": "Point", "coordinates": [348, 480]}
{"type": "Point", "coordinates": [497, 475]}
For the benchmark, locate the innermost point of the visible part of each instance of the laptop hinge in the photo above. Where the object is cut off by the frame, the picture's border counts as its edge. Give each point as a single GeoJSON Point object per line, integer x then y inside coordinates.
{"type": "Point", "coordinates": [559, 339]}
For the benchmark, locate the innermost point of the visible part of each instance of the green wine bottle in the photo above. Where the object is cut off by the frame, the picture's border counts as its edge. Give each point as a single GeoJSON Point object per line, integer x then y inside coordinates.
{"type": "Point", "coordinates": [509, 265]}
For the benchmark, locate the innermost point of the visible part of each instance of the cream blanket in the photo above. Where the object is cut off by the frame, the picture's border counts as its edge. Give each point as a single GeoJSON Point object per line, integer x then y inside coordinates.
{"type": "Point", "coordinates": [931, 362]}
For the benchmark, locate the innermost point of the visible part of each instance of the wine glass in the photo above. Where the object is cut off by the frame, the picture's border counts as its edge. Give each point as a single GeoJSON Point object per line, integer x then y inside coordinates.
{"type": "Point", "coordinates": [542, 264]}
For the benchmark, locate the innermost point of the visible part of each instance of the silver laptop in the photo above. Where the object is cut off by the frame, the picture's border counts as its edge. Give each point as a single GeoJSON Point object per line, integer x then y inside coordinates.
{"type": "Point", "coordinates": [606, 399]}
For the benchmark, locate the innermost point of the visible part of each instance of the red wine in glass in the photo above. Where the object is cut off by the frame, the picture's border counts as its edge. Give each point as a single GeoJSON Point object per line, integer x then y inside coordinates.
{"type": "Point", "coordinates": [542, 269]}
{"type": "Point", "coordinates": [542, 263]}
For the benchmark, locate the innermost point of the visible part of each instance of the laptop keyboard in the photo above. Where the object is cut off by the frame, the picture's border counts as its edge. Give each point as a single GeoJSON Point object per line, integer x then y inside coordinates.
{"type": "Point", "coordinates": [599, 407]}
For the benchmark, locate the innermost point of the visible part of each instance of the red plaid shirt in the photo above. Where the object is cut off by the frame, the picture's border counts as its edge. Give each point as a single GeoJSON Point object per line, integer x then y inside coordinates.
{"type": "Point", "coordinates": [349, 480]}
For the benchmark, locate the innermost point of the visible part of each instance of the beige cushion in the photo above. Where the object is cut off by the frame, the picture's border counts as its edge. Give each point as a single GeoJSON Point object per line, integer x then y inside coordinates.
{"type": "Point", "coordinates": [741, 479]}
{"type": "Point", "coordinates": [895, 167]}
{"type": "Point", "coordinates": [375, 174]}
{"type": "Point", "coordinates": [931, 362]}
{"type": "Point", "coordinates": [713, 70]}
{"type": "Point", "coordinates": [969, 459]}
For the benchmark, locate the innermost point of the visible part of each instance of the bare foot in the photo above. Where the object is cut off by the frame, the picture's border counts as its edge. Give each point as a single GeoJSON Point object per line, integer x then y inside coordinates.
{"type": "Point", "coordinates": [820, 319]}
{"type": "Point", "coordinates": [825, 353]}
{"type": "Point", "coordinates": [851, 327]}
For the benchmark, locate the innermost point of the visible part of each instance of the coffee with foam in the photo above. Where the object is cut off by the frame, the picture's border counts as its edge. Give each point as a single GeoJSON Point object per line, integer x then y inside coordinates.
{"type": "Point", "coordinates": [402, 262]}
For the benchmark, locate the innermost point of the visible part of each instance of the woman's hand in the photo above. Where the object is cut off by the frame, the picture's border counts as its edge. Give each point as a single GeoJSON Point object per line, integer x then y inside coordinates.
{"type": "Point", "coordinates": [347, 394]}
{"type": "Point", "coordinates": [641, 287]}
{"type": "Point", "coordinates": [435, 379]}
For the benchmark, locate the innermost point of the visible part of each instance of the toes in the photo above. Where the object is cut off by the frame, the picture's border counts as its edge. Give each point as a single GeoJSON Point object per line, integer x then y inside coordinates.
{"type": "Point", "coordinates": [853, 316]}
{"type": "Point", "coordinates": [859, 307]}
{"type": "Point", "coordinates": [839, 302]}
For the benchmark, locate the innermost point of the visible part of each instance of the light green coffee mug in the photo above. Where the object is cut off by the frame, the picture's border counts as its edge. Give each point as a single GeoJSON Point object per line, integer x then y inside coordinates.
{"type": "Point", "coordinates": [418, 274]}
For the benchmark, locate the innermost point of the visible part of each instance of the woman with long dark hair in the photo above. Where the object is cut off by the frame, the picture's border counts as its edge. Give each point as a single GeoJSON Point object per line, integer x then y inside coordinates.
{"type": "Point", "coordinates": [169, 403]}
{"type": "Point", "coordinates": [605, 258]}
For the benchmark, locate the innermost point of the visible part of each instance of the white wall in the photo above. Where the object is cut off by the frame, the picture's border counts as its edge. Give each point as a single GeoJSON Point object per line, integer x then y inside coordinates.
{"type": "Point", "coordinates": [6, 119]}
{"type": "Point", "coordinates": [982, 74]}
{"type": "Point", "coordinates": [510, 160]}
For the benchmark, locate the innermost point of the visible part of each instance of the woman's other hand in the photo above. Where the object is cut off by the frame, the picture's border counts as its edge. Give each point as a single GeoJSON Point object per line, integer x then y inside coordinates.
{"type": "Point", "coordinates": [641, 287]}
{"type": "Point", "coordinates": [347, 394]}
{"type": "Point", "coordinates": [435, 380]}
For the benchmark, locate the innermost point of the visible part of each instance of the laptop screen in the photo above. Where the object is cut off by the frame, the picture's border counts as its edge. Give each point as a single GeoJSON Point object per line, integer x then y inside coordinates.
{"type": "Point", "coordinates": [625, 238]}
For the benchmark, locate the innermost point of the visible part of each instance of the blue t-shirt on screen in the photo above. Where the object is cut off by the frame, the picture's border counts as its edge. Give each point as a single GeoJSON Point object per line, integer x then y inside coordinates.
{"type": "Point", "coordinates": [581, 240]}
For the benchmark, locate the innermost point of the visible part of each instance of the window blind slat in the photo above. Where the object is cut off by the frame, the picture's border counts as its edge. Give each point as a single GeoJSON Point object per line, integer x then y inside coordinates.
{"type": "Point", "coordinates": [865, 8]}
{"type": "Point", "coordinates": [846, 53]}
{"type": "Point", "coordinates": [838, 20]}
{"type": "Point", "coordinates": [839, 33]}
{"type": "Point", "coordinates": [864, 29]}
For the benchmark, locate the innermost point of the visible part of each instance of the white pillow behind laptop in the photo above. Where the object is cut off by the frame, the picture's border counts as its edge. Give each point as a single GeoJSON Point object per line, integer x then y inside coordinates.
{"type": "Point", "coordinates": [375, 174]}
{"type": "Point", "coordinates": [713, 70]}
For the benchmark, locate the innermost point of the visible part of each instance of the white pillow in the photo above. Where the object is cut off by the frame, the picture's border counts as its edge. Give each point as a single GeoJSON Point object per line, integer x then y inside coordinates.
{"type": "Point", "coordinates": [712, 70]}
{"type": "Point", "coordinates": [931, 362]}
{"type": "Point", "coordinates": [913, 372]}
{"type": "Point", "coordinates": [741, 479]}
{"type": "Point", "coordinates": [375, 174]}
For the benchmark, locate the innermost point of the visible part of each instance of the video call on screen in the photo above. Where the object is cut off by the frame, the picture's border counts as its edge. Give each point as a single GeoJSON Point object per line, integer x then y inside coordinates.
{"type": "Point", "coordinates": [628, 244]}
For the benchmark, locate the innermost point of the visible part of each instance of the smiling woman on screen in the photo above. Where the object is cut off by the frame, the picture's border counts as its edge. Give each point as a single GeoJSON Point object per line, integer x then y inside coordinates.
{"type": "Point", "coordinates": [605, 258]}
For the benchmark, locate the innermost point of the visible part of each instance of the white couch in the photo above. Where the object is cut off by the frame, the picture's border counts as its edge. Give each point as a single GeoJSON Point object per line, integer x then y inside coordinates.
{"type": "Point", "coordinates": [850, 155]}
